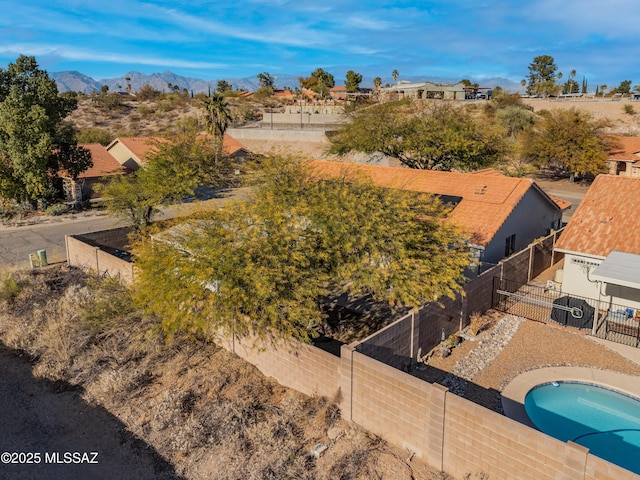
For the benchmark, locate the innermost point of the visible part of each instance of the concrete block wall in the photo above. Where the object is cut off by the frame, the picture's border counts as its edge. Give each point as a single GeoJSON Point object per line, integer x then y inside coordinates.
{"type": "Point", "coordinates": [394, 345]}
{"type": "Point", "coordinates": [302, 367]}
{"type": "Point", "coordinates": [598, 469]}
{"type": "Point", "coordinates": [477, 439]}
{"type": "Point", "coordinates": [115, 267]}
{"type": "Point", "coordinates": [446, 314]}
{"type": "Point", "coordinates": [283, 135]}
{"type": "Point", "coordinates": [390, 403]}
{"type": "Point", "coordinates": [516, 268]}
{"type": "Point", "coordinates": [91, 258]}
{"type": "Point", "coordinates": [478, 293]}
{"type": "Point", "coordinates": [81, 254]}
{"type": "Point", "coordinates": [115, 238]}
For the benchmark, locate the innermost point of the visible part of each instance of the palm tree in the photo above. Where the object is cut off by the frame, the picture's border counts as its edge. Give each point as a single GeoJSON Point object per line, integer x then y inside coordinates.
{"type": "Point", "coordinates": [377, 83]}
{"type": "Point", "coordinates": [559, 77]}
{"type": "Point", "coordinates": [395, 76]}
{"type": "Point", "coordinates": [523, 83]}
{"type": "Point", "coordinates": [217, 116]}
{"type": "Point", "coordinates": [602, 89]}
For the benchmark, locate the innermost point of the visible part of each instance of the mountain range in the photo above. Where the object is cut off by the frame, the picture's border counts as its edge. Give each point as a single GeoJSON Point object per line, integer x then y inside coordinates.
{"type": "Point", "coordinates": [78, 82]}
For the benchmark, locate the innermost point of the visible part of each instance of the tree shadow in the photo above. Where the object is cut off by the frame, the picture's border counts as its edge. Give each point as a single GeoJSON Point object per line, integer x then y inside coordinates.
{"type": "Point", "coordinates": [486, 397]}
{"type": "Point", "coordinates": [55, 434]}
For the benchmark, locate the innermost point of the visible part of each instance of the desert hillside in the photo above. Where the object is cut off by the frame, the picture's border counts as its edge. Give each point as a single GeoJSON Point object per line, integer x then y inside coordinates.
{"type": "Point", "coordinates": [622, 123]}
{"type": "Point", "coordinates": [134, 117]}
{"type": "Point", "coordinates": [103, 378]}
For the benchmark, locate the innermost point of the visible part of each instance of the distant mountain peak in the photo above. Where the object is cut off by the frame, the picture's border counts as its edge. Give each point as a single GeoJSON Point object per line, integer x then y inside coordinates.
{"type": "Point", "coordinates": [78, 82]}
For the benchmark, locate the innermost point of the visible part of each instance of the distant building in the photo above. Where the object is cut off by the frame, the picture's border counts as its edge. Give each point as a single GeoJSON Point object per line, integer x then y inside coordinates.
{"type": "Point", "coordinates": [624, 160]}
{"type": "Point", "coordinates": [104, 167]}
{"type": "Point", "coordinates": [132, 151]}
{"type": "Point", "coordinates": [423, 90]}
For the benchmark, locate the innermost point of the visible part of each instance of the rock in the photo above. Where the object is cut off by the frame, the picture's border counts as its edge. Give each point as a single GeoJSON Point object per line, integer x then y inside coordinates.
{"type": "Point", "coordinates": [318, 450]}
{"type": "Point", "coordinates": [334, 432]}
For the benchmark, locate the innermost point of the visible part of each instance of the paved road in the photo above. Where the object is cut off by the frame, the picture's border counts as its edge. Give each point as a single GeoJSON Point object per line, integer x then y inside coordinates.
{"type": "Point", "coordinates": [571, 192]}
{"type": "Point", "coordinates": [16, 243]}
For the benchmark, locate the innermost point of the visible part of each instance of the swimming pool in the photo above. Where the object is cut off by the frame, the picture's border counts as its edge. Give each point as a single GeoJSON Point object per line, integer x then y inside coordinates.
{"type": "Point", "coordinates": [604, 421]}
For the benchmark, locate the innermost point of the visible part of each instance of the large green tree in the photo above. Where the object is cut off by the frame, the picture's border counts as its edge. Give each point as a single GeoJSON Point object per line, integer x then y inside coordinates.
{"type": "Point", "coordinates": [438, 137]}
{"type": "Point", "coordinates": [266, 80]}
{"type": "Point", "coordinates": [35, 141]}
{"type": "Point", "coordinates": [569, 140]}
{"type": "Point", "coordinates": [352, 81]}
{"type": "Point", "coordinates": [173, 170]}
{"type": "Point", "coordinates": [542, 73]}
{"type": "Point", "coordinates": [624, 87]}
{"type": "Point", "coordinates": [261, 267]}
{"type": "Point", "coordinates": [319, 81]}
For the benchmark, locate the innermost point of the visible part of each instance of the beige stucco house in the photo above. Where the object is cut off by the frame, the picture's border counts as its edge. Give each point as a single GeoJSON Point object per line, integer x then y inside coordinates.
{"type": "Point", "coordinates": [104, 167]}
{"type": "Point", "coordinates": [624, 160]}
{"type": "Point", "coordinates": [602, 245]}
{"type": "Point", "coordinates": [422, 90]}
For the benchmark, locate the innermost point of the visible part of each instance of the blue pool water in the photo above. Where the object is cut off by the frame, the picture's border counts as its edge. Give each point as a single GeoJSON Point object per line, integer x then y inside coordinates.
{"type": "Point", "coordinates": [604, 421]}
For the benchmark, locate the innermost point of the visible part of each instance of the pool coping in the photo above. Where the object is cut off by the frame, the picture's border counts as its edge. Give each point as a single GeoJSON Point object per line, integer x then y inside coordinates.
{"type": "Point", "coordinates": [514, 393]}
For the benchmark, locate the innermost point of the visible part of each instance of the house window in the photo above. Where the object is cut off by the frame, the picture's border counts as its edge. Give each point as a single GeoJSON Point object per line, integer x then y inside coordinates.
{"type": "Point", "coordinates": [510, 245]}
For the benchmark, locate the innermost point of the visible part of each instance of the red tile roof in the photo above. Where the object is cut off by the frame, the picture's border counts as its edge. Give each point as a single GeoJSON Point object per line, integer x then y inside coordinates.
{"type": "Point", "coordinates": [139, 146]}
{"type": "Point", "coordinates": [103, 163]}
{"type": "Point", "coordinates": [230, 145]}
{"type": "Point", "coordinates": [283, 94]}
{"type": "Point", "coordinates": [607, 218]}
{"type": "Point", "coordinates": [487, 196]}
{"type": "Point", "coordinates": [628, 149]}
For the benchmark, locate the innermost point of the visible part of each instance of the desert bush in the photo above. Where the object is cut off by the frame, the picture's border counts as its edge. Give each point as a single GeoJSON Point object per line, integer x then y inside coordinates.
{"type": "Point", "coordinates": [11, 288]}
{"type": "Point", "coordinates": [57, 209]}
{"type": "Point", "coordinates": [94, 135]}
{"type": "Point", "coordinates": [478, 323]}
{"type": "Point", "coordinates": [109, 303]}
{"type": "Point", "coordinates": [147, 92]}
{"type": "Point", "coordinates": [628, 109]}
{"type": "Point", "coordinates": [145, 110]}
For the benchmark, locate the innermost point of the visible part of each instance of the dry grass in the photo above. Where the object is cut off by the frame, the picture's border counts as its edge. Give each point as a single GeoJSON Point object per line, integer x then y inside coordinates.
{"type": "Point", "coordinates": [209, 413]}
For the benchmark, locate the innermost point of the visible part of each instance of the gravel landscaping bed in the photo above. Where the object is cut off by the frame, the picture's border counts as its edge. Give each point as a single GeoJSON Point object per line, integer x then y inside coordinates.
{"type": "Point", "coordinates": [479, 370]}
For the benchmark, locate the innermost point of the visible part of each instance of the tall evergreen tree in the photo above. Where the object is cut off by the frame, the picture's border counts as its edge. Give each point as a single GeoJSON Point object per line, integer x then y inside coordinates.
{"type": "Point", "coordinates": [35, 141]}
{"type": "Point", "coordinates": [542, 74]}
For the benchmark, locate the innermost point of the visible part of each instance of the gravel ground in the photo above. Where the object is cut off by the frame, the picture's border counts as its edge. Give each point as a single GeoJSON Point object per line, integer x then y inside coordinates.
{"type": "Point", "coordinates": [479, 370]}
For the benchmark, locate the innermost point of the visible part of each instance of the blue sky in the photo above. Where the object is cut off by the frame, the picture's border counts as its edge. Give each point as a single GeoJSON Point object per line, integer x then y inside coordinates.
{"type": "Point", "coordinates": [221, 39]}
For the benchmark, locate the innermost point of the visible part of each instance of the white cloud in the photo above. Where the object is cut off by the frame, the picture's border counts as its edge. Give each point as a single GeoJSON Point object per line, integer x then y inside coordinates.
{"type": "Point", "coordinates": [71, 53]}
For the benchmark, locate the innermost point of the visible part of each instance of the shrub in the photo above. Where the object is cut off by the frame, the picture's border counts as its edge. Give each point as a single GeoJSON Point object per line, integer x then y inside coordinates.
{"type": "Point", "coordinates": [110, 304]}
{"type": "Point", "coordinates": [628, 109]}
{"type": "Point", "coordinates": [11, 288]}
{"type": "Point", "coordinates": [478, 323]}
{"type": "Point", "coordinates": [57, 209]}
{"type": "Point", "coordinates": [145, 110]}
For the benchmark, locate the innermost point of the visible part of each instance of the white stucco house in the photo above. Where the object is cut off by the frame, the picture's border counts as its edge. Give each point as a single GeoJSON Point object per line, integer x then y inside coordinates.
{"type": "Point", "coordinates": [601, 244]}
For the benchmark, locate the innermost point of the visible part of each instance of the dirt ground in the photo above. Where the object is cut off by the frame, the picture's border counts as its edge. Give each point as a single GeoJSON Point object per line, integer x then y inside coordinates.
{"type": "Point", "coordinates": [535, 345]}
{"type": "Point", "coordinates": [606, 108]}
{"type": "Point", "coordinates": [100, 380]}
{"type": "Point", "coordinates": [47, 421]}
